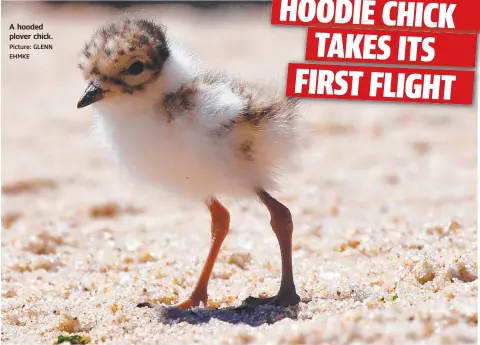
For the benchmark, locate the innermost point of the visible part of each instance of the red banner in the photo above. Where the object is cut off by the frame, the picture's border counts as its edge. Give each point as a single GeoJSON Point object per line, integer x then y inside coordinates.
{"type": "Point", "coordinates": [380, 83]}
{"type": "Point", "coordinates": [391, 47]}
{"type": "Point", "coordinates": [440, 15]}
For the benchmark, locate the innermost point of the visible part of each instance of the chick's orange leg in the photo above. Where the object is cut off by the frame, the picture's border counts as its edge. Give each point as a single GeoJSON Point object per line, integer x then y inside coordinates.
{"type": "Point", "coordinates": [220, 225]}
{"type": "Point", "coordinates": [282, 225]}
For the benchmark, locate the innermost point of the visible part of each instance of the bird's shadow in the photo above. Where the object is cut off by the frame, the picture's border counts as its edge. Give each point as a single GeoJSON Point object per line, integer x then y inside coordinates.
{"type": "Point", "coordinates": [250, 315]}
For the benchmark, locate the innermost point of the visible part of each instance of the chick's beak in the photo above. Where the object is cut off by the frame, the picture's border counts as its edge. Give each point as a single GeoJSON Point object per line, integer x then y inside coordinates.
{"type": "Point", "coordinates": [92, 94]}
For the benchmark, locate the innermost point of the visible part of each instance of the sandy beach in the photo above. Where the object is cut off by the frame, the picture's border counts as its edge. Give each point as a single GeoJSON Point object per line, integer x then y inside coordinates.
{"type": "Point", "coordinates": [383, 199]}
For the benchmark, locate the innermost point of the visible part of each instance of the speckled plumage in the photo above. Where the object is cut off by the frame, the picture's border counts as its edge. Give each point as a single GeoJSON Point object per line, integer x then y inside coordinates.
{"type": "Point", "coordinates": [106, 55]}
{"type": "Point", "coordinates": [205, 133]}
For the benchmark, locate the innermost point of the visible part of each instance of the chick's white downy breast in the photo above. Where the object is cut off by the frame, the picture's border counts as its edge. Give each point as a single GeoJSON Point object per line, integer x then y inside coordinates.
{"type": "Point", "coordinates": [187, 156]}
{"type": "Point", "coordinates": [198, 153]}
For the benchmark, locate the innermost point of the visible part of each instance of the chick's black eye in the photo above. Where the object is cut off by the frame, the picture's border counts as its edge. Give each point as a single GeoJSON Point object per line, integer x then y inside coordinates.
{"type": "Point", "coordinates": [136, 68]}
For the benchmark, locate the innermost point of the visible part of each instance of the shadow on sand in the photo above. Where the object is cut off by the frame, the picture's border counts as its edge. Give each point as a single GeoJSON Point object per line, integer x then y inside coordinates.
{"type": "Point", "coordinates": [253, 316]}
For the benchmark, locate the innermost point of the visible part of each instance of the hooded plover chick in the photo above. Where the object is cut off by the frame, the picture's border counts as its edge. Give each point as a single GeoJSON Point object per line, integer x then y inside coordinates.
{"type": "Point", "coordinates": [199, 134]}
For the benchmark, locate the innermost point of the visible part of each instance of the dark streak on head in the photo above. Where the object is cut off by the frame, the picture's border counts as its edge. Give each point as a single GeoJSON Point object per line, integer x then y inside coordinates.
{"type": "Point", "coordinates": [86, 50]}
{"type": "Point", "coordinates": [142, 35]}
{"type": "Point", "coordinates": [150, 66]}
{"type": "Point", "coordinates": [143, 40]}
{"type": "Point", "coordinates": [109, 31]}
{"type": "Point", "coordinates": [126, 23]}
{"type": "Point", "coordinates": [114, 80]}
{"type": "Point", "coordinates": [161, 51]}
